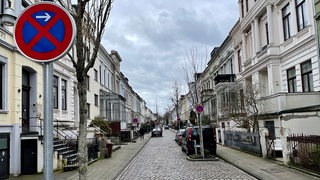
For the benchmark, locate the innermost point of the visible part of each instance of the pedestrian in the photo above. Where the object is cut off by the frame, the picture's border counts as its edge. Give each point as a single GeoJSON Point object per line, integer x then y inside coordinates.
{"type": "Point", "coordinates": [141, 131]}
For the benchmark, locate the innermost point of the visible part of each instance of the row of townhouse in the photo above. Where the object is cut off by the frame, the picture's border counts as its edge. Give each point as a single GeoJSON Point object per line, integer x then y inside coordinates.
{"type": "Point", "coordinates": [274, 48]}
{"type": "Point", "coordinates": [110, 96]}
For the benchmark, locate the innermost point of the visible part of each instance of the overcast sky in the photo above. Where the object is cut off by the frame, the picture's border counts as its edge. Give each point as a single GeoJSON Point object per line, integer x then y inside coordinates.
{"type": "Point", "coordinates": [153, 38]}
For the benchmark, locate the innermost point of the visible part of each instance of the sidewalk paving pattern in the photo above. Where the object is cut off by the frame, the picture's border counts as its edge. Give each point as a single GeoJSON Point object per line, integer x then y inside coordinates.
{"type": "Point", "coordinates": [259, 167]}
{"type": "Point", "coordinates": [110, 168]}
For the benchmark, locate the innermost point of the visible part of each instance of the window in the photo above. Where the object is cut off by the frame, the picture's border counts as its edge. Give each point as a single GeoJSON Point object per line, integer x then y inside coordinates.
{"type": "Point", "coordinates": [267, 33]}
{"type": "Point", "coordinates": [306, 76]}
{"type": "Point", "coordinates": [2, 85]}
{"type": "Point", "coordinates": [64, 94]}
{"type": "Point", "coordinates": [100, 71]}
{"type": "Point", "coordinates": [242, 12]}
{"type": "Point", "coordinates": [292, 83]}
{"type": "Point", "coordinates": [95, 75]}
{"type": "Point", "coordinates": [88, 110]}
{"type": "Point", "coordinates": [239, 60]}
{"type": "Point", "coordinates": [96, 99]}
{"type": "Point", "coordinates": [55, 92]}
{"type": "Point", "coordinates": [247, 5]}
{"type": "Point", "coordinates": [286, 21]}
{"type": "Point", "coordinates": [301, 14]}
{"type": "Point", "coordinates": [24, 4]}
{"type": "Point", "coordinates": [88, 82]}
{"type": "Point", "coordinates": [270, 126]}
{"type": "Point", "coordinates": [2, 5]}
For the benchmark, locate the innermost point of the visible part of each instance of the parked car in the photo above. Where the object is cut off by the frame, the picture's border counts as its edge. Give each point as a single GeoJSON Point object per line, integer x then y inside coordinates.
{"type": "Point", "coordinates": [192, 134]}
{"type": "Point", "coordinates": [157, 131]}
{"type": "Point", "coordinates": [178, 137]}
{"type": "Point", "coordinates": [166, 127]}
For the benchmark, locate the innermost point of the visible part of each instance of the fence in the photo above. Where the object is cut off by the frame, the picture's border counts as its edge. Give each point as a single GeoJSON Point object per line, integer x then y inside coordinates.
{"type": "Point", "coordinates": [243, 140]}
{"type": "Point", "coordinates": [305, 151]}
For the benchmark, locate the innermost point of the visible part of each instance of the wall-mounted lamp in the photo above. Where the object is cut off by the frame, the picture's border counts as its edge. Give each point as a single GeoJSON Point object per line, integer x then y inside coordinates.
{"type": "Point", "coordinates": [8, 17]}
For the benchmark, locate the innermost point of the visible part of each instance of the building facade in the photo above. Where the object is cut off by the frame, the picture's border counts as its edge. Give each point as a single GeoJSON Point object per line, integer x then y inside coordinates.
{"type": "Point", "coordinates": [22, 98]}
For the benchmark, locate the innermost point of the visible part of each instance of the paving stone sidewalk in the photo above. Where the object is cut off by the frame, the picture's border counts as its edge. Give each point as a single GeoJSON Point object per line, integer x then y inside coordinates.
{"type": "Point", "coordinates": [261, 168]}
{"type": "Point", "coordinates": [106, 169]}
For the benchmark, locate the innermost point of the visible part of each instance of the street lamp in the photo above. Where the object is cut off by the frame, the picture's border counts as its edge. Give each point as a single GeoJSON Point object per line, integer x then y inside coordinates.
{"type": "Point", "coordinates": [8, 17]}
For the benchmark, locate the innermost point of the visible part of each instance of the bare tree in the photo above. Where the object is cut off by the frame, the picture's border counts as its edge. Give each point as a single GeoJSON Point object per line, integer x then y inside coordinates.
{"type": "Point", "coordinates": [241, 105]}
{"type": "Point", "coordinates": [90, 18]}
{"type": "Point", "coordinates": [175, 99]}
{"type": "Point", "coordinates": [192, 67]}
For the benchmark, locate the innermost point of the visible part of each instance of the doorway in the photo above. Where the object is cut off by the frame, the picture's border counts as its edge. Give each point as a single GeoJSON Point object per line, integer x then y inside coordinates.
{"type": "Point", "coordinates": [4, 155]}
{"type": "Point", "coordinates": [29, 156]}
{"type": "Point", "coordinates": [25, 111]}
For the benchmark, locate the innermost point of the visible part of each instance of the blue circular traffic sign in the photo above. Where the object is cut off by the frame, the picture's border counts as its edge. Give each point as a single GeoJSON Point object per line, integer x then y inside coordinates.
{"type": "Point", "coordinates": [44, 32]}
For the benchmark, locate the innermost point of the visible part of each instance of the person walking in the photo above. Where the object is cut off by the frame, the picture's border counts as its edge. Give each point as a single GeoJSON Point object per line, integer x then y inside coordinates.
{"type": "Point", "coordinates": [141, 131]}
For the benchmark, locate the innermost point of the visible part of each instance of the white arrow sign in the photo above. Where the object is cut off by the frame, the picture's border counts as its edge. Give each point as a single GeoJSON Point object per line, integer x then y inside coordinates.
{"type": "Point", "coordinates": [46, 17]}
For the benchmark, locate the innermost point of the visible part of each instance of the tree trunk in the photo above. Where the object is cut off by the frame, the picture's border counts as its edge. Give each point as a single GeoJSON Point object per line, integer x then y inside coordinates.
{"type": "Point", "coordinates": [82, 146]}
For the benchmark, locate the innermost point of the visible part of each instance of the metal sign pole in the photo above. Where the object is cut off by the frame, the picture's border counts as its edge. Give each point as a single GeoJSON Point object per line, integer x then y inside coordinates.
{"type": "Point", "coordinates": [48, 121]}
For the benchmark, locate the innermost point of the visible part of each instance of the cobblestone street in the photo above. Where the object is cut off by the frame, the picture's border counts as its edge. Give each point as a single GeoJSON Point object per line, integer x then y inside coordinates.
{"type": "Point", "coordinates": [162, 158]}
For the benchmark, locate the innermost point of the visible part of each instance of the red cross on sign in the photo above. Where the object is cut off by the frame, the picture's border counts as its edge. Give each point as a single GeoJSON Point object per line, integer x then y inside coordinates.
{"type": "Point", "coordinates": [44, 32]}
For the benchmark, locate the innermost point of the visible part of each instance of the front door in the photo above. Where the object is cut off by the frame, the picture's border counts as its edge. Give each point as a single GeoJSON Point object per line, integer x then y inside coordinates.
{"type": "Point", "coordinates": [29, 156]}
{"type": "Point", "coordinates": [25, 111]}
{"type": "Point", "coordinates": [4, 156]}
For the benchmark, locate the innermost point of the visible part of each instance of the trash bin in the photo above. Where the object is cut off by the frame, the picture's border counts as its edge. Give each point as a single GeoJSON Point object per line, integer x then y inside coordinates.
{"type": "Point", "coordinates": [109, 149]}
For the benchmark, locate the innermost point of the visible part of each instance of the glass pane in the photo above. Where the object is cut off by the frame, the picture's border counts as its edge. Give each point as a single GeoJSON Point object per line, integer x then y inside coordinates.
{"type": "Point", "coordinates": [306, 67]}
{"type": "Point", "coordinates": [305, 84]}
{"type": "Point", "coordinates": [3, 143]}
{"type": "Point", "coordinates": [311, 82]}
{"type": "Point", "coordinates": [291, 73]}
{"type": "Point", "coordinates": [290, 85]}
{"type": "Point", "coordinates": [1, 86]}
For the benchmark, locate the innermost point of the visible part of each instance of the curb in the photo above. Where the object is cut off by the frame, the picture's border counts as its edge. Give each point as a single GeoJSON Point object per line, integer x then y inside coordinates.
{"type": "Point", "coordinates": [202, 159]}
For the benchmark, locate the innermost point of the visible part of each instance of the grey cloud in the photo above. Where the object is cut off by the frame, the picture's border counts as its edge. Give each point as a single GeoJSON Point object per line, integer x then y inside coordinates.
{"type": "Point", "coordinates": [153, 37]}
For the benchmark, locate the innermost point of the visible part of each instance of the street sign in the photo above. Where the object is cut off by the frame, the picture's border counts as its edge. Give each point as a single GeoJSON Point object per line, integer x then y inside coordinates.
{"type": "Point", "coordinates": [199, 108]}
{"type": "Point", "coordinates": [44, 32]}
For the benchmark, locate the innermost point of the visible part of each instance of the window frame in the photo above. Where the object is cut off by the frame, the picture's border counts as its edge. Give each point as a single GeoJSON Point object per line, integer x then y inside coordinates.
{"type": "Point", "coordinates": [307, 74]}
{"type": "Point", "coordinates": [286, 21]}
{"type": "Point", "coordinates": [95, 74]}
{"type": "Point", "coordinates": [301, 14]}
{"type": "Point", "coordinates": [267, 33]}
{"type": "Point", "coordinates": [96, 100]}
{"type": "Point", "coordinates": [64, 89]}
{"type": "Point", "coordinates": [3, 84]}
{"type": "Point", "coordinates": [55, 92]}
{"type": "Point", "coordinates": [88, 110]}
{"type": "Point", "coordinates": [239, 60]}
{"type": "Point", "coordinates": [292, 80]}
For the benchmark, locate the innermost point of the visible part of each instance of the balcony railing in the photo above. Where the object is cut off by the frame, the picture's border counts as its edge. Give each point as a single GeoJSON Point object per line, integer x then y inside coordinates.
{"type": "Point", "coordinates": [224, 78]}
{"type": "Point", "coordinates": [281, 102]}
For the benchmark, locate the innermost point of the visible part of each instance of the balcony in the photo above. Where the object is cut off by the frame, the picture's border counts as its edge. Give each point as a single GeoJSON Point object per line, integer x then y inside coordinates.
{"type": "Point", "coordinates": [207, 92]}
{"type": "Point", "coordinates": [222, 78]}
{"type": "Point", "coordinates": [284, 102]}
